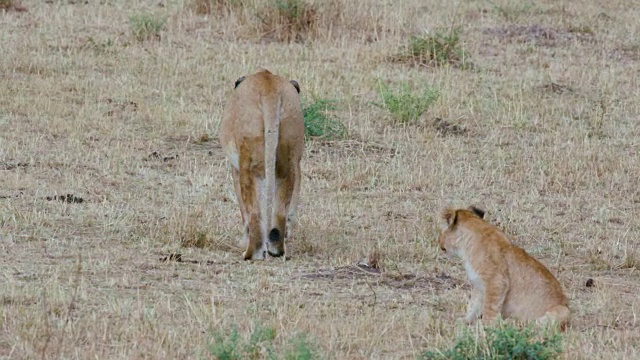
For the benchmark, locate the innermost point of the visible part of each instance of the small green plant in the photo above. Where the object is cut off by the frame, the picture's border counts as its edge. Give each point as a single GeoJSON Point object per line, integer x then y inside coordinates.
{"type": "Point", "coordinates": [301, 349]}
{"type": "Point", "coordinates": [514, 11]}
{"type": "Point", "coordinates": [226, 349]}
{"type": "Point", "coordinates": [261, 338]}
{"type": "Point", "coordinates": [405, 106]}
{"type": "Point", "coordinates": [319, 124]}
{"type": "Point", "coordinates": [523, 343]}
{"type": "Point", "coordinates": [259, 345]}
{"type": "Point", "coordinates": [232, 348]}
{"type": "Point", "coordinates": [291, 9]}
{"type": "Point", "coordinates": [503, 342]}
{"type": "Point", "coordinates": [146, 27]}
{"type": "Point", "coordinates": [438, 49]}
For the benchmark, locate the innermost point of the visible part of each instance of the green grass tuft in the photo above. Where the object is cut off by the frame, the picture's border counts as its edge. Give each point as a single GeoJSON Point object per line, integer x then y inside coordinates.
{"type": "Point", "coordinates": [501, 343]}
{"type": "Point", "coordinates": [514, 11]}
{"type": "Point", "coordinates": [260, 345]}
{"type": "Point", "coordinates": [226, 349]}
{"type": "Point", "coordinates": [406, 106]}
{"type": "Point", "coordinates": [147, 27]}
{"type": "Point", "coordinates": [319, 124]}
{"type": "Point", "coordinates": [290, 9]}
{"type": "Point", "coordinates": [301, 349]}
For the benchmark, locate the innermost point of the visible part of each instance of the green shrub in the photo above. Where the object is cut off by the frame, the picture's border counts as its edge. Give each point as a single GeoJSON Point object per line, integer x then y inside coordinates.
{"type": "Point", "coordinates": [438, 49]}
{"type": "Point", "coordinates": [146, 27]}
{"type": "Point", "coordinates": [301, 349]}
{"type": "Point", "coordinates": [290, 9]}
{"type": "Point", "coordinates": [260, 345]}
{"type": "Point", "coordinates": [405, 106]}
{"type": "Point", "coordinates": [319, 124]}
{"type": "Point", "coordinates": [226, 349]}
{"type": "Point", "coordinates": [503, 342]}
{"type": "Point", "coordinates": [233, 348]}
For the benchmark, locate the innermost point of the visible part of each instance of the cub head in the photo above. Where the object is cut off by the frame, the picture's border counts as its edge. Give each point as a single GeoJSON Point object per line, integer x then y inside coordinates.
{"type": "Point", "coordinates": [451, 229]}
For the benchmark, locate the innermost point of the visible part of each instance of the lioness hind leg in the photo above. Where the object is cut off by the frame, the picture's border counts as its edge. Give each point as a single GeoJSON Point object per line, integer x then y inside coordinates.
{"type": "Point", "coordinates": [295, 197]}
{"type": "Point", "coordinates": [248, 176]}
{"type": "Point", "coordinates": [284, 194]}
{"type": "Point", "coordinates": [255, 249]}
{"type": "Point", "coordinates": [235, 174]}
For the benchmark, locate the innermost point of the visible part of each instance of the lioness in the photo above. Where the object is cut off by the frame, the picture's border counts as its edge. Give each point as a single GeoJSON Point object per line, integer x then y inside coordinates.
{"type": "Point", "coordinates": [506, 280]}
{"type": "Point", "coordinates": [262, 135]}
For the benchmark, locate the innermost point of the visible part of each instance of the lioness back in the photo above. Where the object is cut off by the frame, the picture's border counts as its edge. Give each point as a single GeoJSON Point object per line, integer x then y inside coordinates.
{"type": "Point", "coordinates": [246, 104]}
{"type": "Point", "coordinates": [506, 280]}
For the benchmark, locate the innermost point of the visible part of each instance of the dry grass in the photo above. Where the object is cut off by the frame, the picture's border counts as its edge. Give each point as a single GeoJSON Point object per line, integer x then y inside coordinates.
{"type": "Point", "coordinates": [10, 5]}
{"type": "Point", "coordinates": [549, 147]}
{"type": "Point", "coordinates": [216, 7]}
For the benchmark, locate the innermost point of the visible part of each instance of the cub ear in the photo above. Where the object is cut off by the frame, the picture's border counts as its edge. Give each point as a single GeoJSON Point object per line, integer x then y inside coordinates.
{"type": "Point", "coordinates": [448, 217]}
{"type": "Point", "coordinates": [240, 79]}
{"type": "Point", "coordinates": [477, 211]}
{"type": "Point", "coordinates": [295, 85]}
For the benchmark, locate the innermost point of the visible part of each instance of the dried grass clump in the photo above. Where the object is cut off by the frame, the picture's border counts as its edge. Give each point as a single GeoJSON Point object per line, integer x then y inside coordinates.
{"type": "Point", "coordinates": [216, 7]}
{"type": "Point", "coordinates": [6, 4]}
{"type": "Point", "coordinates": [437, 49]}
{"type": "Point", "coordinates": [294, 20]}
{"type": "Point", "coordinates": [11, 5]}
{"type": "Point", "coordinates": [288, 20]}
{"type": "Point", "coordinates": [147, 27]}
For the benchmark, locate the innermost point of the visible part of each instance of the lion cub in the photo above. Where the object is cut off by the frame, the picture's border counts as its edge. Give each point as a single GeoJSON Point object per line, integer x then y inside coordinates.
{"type": "Point", "coordinates": [506, 280]}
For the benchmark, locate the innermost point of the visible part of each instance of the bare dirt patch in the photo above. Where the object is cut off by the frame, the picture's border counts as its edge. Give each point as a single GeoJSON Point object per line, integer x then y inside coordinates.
{"type": "Point", "coordinates": [68, 198]}
{"type": "Point", "coordinates": [557, 88]}
{"type": "Point", "coordinates": [446, 128]}
{"type": "Point", "coordinates": [12, 165]}
{"type": "Point", "coordinates": [349, 274]}
{"type": "Point", "coordinates": [538, 34]}
{"type": "Point", "coordinates": [351, 148]}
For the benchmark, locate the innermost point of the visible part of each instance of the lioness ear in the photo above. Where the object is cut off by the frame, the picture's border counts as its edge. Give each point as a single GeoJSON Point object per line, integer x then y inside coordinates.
{"type": "Point", "coordinates": [295, 85]}
{"type": "Point", "coordinates": [477, 211]}
{"type": "Point", "coordinates": [240, 79]}
{"type": "Point", "coordinates": [449, 217]}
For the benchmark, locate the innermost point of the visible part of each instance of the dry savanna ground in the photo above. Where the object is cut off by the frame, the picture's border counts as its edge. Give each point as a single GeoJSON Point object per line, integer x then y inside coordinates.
{"type": "Point", "coordinates": [109, 164]}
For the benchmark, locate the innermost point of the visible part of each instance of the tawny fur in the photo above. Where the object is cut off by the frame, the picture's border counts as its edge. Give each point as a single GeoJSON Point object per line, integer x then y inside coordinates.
{"type": "Point", "coordinates": [262, 134]}
{"type": "Point", "coordinates": [506, 281]}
